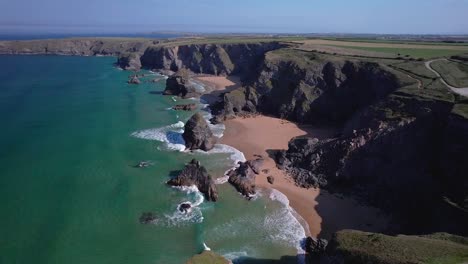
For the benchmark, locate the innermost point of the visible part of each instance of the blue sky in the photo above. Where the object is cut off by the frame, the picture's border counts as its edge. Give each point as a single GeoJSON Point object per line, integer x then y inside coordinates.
{"type": "Point", "coordinates": [279, 16]}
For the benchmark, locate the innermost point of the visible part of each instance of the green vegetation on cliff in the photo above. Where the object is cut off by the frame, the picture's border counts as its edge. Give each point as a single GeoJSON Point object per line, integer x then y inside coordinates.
{"type": "Point", "coordinates": [361, 247]}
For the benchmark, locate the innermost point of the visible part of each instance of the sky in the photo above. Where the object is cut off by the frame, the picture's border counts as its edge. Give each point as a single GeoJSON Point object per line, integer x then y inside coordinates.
{"type": "Point", "coordinates": [235, 16]}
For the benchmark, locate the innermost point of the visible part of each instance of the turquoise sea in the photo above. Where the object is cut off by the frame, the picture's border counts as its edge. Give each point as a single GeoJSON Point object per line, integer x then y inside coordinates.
{"type": "Point", "coordinates": [71, 131]}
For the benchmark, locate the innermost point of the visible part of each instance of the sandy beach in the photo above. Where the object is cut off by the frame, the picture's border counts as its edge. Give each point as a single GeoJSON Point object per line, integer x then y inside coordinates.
{"type": "Point", "coordinates": [323, 212]}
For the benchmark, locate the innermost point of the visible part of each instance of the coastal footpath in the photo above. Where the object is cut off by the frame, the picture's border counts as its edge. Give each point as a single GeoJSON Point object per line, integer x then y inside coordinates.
{"type": "Point", "coordinates": [397, 145]}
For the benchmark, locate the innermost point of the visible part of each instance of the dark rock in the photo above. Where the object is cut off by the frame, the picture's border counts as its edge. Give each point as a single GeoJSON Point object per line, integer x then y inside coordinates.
{"type": "Point", "coordinates": [271, 179]}
{"type": "Point", "coordinates": [197, 134]}
{"type": "Point", "coordinates": [148, 218]}
{"type": "Point", "coordinates": [195, 174]}
{"type": "Point", "coordinates": [185, 207]}
{"type": "Point", "coordinates": [134, 80]}
{"type": "Point", "coordinates": [179, 85]}
{"type": "Point", "coordinates": [129, 61]}
{"type": "Point", "coordinates": [256, 165]}
{"type": "Point", "coordinates": [185, 107]}
{"type": "Point", "coordinates": [315, 246]}
{"type": "Point", "coordinates": [243, 177]}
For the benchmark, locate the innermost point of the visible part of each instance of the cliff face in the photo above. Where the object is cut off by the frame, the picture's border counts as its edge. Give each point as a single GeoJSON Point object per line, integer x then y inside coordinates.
{"type": "Point", "coordinates": [402, 155]}
{"type": "Point", "coordinates": [307, 87]}
{"type": "Point", "coordinates": [398, 148]}
{"type": "Point", "coordinates": [78, 47]}
{"type": "Point", "coordinates": [218, 59]}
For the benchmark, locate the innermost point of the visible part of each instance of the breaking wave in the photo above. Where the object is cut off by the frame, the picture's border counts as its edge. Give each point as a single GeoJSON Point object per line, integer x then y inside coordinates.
{"type": "Point", "coordinates": [170, 135]}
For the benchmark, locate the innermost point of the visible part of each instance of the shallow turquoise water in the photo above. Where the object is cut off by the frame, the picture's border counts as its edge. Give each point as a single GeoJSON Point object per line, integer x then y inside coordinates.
{"type": "Point", "coordinates": [69, 193]}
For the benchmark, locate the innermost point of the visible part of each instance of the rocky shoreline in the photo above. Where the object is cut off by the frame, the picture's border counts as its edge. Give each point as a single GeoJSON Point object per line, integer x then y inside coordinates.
{"type": "Point", "coordinates": [398, 147]}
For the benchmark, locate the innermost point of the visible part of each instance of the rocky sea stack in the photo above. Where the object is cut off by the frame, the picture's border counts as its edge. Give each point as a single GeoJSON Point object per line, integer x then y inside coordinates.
{"type": "Point", "coordinates": [129, 61]}
{"type": "Point", "coordinates": [195, 174]}
{"type": "Point", "coordinates": [243, 177]}
{"type": "Point", "coordinates": [179, 85]}
{"type": "Point", "coordinates": [197, 134]}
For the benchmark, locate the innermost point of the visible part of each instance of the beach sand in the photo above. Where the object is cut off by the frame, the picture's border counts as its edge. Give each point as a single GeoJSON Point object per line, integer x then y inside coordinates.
{"type": "Point", "coordinates": [324, 213]}
{"type": "Point", "coordinates": [216, 85]}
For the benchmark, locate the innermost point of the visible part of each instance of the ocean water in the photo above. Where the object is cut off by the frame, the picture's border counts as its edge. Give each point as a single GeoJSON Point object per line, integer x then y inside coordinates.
{"type": "Point", "coordinates": [71, 132]}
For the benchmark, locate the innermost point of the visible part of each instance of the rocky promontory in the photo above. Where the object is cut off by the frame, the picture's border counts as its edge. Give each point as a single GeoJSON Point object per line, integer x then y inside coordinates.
{"type": "Point", "coordinates": [197, 134]}
{"type": "Point", "coordinates": [195, 174]}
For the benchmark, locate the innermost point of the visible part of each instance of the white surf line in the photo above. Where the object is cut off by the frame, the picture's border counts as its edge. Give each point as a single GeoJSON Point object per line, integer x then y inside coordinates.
{"type": "Point", "coordinates": [463, 91]}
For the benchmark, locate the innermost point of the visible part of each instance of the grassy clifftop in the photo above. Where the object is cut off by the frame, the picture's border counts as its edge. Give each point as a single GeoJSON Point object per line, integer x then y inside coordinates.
{"type": "Point", "coordinates": [362, 247]}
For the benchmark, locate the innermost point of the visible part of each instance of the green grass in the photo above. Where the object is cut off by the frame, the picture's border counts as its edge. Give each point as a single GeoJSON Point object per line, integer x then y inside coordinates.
{"type": "Point", "coordinates": [207, 257]}
{"type": "Point", "coordinates": [461, 109]}
{"type": "Point", "coordinates": [362, 247]}
{"type": "Point", "coordinates": [415, 53]}
{"type": "Point", "coordinates": [233, 40]}
{"type": "Point", "coordinates": [454, 73]}
{"type": "Point", "coordinates": [398, 41]}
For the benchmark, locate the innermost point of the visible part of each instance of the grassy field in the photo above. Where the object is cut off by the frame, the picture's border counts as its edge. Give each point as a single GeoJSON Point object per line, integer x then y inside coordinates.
{"type": "Point", "coordinates": [362, 247]}
{"type": "Point", "coordinates": [454, 73]}
{"type": "Point", "coordinates": [397, 41]}
{"type": "Point", "coordinates": [414, 53]}
{"type": "Point", "coordinates": [226, 40]}
{"type": "Point", "coordinates": [383, 49]}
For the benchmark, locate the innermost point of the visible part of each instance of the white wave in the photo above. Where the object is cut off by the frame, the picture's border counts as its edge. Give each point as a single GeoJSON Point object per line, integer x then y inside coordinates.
{"type": "Point", "coordinates": [235, 156]}
{"type": "Point", "coordinates": [205, 247]}
{"type": "Point", "coordinates": [287, 221]}
{"type": "Point", "coordinates": [194, 215]}
{"type": "Point", "coordinates": [170, 135]}
{"type": "Point", "coordinates": [199, 87]}
{"type": "Point", "coordinates": [235, 255]}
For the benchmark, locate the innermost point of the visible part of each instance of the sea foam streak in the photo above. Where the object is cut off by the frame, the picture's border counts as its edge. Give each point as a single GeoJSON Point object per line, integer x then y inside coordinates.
{"type": "Point", "coordinates": [170, 135]}
{"type": "Point", "coordinates": [288, 223]}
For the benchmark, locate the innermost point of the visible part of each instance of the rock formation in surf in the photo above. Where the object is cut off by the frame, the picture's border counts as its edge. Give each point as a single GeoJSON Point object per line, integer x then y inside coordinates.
{"type": "Point", "coordinates": [195, 174]}
{"type": "Point", "coordinates": [243, 177]}
{"type": "Point", "coordinates": [179, 85]}
{"type": "Point", "coordinates": [197, 134]}
{"type": "Point", "coordinates": [129, 61]}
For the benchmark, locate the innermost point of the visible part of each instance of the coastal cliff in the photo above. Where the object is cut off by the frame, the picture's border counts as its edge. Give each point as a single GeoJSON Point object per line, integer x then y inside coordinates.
{"type": "Point", "coordinates": [77, 47]}
{"type": "Point", "coordinates": [217, 59]}
{"type": "Point", "coordinates": [392, 136]}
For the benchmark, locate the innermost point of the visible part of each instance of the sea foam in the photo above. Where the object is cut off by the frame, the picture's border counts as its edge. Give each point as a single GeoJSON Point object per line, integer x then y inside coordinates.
{"type": "Point", "coordinates": [194, 215]}
{"type": "Point", "coordinates": [170, 135]}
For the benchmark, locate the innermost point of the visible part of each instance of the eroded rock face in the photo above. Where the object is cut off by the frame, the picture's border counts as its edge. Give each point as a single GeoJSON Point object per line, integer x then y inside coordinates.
{"type": "Point", "coordinates": [179, 85]}
{"type": "Point", "coordinates": [195, 174]}
{"type": "Point", "coordinates": [243, 177]}
{"type": "Point", "coordinates": [129, 61]}
{"type": "Point", "coordinates": [315, 246]}
{"type": "Point", "coordinates": [197, 134]}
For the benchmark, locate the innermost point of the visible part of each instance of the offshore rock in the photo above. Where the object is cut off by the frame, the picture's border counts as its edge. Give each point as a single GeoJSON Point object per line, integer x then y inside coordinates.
{"type": "Point", "coordinates": [243, 177]}
{"type": "Point", "coordinates": [195, 174]}
{"type": "Point", "coordinates": [197, 134]}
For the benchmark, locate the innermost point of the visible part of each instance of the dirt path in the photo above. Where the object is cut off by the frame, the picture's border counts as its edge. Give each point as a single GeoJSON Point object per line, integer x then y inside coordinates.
{"type": "Point", "coordinates": [463, 91]}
